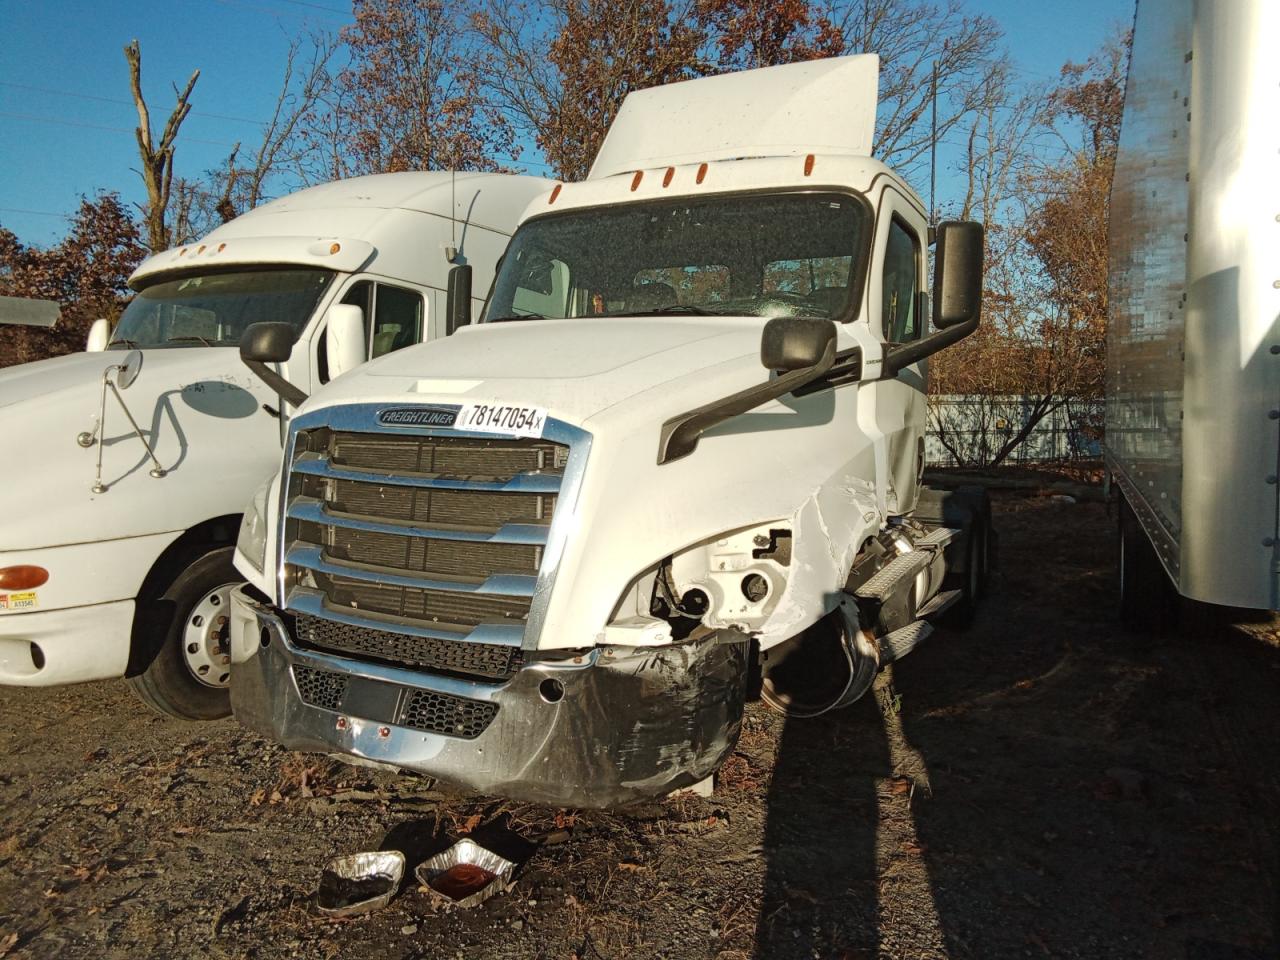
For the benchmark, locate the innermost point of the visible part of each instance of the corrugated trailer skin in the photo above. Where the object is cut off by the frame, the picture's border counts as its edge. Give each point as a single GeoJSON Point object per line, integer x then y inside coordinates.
{"type": "Point", "coordinates": [1193, 350]}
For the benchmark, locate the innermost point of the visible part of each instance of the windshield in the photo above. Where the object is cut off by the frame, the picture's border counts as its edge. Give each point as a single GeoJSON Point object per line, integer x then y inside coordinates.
{"type": "Point", "coordinates": [214, 309]}
{"type": "Point", "coordinates": [778, 255]}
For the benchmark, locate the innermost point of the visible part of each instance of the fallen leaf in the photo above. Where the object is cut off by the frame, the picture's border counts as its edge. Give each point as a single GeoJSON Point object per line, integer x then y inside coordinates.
{"type": "Point", "coordinates": [469, 824]}
{"type": "Point", "coordinates": [256, 798]}
{"type": "Point", "coordinates": [7, 943]}
{"type": "Point", "coordinates": [631, 867]}
{"type": "Point", "coordinates": [900, 785]}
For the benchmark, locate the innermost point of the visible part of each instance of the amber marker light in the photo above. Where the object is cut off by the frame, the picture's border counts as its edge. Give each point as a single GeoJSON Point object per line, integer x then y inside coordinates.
{"type": "Point", "coordinates": [335, 247]}
{"type": "Point", "coordinates": [555, 193]}
{"type": "Point", "coordinates": [808, 165]}
{"type": "Point", "coordinates": [666, 180]}
{"type": "Point", "coordinates": [635, 181]}
{"type": "Point", "coordinates": [702, 172]}
{"type": "Point", "coordinates": [24, 576]}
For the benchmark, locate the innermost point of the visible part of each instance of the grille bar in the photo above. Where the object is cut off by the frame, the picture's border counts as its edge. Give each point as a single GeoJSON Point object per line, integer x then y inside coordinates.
{"type": "Point", "coordinates": [502, 584]}
{"type": "Point", "coordinates": [312, 602]}
{"type": "Point", "coordinates": [483, 662]}
{"type": "Point", "coordinates": [314, 511]}
{"type": "Point", "coordinates": [319, 466]}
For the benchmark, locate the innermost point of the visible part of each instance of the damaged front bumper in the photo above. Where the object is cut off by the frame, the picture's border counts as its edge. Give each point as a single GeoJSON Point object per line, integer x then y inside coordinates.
{"type": "Point", "coordinates": [614, 726]}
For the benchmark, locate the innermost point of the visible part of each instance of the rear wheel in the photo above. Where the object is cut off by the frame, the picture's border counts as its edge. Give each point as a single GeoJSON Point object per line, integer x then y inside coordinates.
{"type": "Point", "coordinates": [190, 673]}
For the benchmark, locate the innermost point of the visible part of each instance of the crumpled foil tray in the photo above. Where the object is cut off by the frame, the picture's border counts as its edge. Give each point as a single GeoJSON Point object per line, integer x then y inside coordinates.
{"type": "Point", "coordinates": [359, 882]}
{"type": "Point", "coordinates": [466, 852]}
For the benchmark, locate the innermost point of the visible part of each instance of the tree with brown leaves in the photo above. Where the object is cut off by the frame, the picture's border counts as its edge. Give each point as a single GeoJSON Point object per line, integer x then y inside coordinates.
{"type": "Point", "coordinates": [409, 98]}
{"type": "Point", "coordinates": [87, 274]}
{"type": "Point", "coordinates": [562, 68]}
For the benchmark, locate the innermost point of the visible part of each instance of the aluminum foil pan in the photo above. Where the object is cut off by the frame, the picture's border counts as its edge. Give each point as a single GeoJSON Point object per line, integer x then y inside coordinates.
{"type": "Point", "coordinates": [466, 874]}
{"type": "Point", "coordinates": [359, 882]}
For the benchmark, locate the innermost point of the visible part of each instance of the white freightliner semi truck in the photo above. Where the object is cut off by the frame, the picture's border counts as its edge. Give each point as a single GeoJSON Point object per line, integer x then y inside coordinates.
{"type": "Point", "coordinates": [541, 557]}
{"type": "Point", "coordinates": [1193, 351]}
{"type": "Point", "coordinates": [128, 466]}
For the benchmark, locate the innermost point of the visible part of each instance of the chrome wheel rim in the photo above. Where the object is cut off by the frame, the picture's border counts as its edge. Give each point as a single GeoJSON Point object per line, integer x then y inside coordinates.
{"type": "Point", "coordinates": [206, 638]}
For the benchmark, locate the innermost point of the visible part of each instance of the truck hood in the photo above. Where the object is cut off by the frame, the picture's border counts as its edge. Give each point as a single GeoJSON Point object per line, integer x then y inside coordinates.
{"type": "Point", "coordinates": [575, 369]}
{"type": "Point", "coordinates": [200, 407]}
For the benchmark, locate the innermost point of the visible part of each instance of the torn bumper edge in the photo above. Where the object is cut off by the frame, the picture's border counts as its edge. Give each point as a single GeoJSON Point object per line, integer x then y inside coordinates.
{"type": "Point", "coordinates": [633, 723]}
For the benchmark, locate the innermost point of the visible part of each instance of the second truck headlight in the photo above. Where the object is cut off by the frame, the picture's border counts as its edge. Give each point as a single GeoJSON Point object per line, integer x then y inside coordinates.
{"type": "Point", "coordinates": [252, 542]}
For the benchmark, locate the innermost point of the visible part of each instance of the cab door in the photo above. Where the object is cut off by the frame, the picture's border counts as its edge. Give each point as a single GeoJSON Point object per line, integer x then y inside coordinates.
{"type": "Point", "coordinates": [898, 306]}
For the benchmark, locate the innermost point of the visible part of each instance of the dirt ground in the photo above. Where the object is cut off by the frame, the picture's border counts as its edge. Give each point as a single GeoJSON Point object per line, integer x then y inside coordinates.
{"type": "Point", "coordinates": [1036, 786]}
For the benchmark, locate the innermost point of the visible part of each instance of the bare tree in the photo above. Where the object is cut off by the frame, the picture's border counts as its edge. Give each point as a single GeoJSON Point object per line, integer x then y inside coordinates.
{"type": "Point", "coordinates": [156, 155]}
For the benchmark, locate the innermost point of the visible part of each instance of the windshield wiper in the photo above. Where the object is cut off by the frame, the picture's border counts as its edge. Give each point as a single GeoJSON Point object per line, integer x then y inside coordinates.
{"type": "Point", "coordinates": [124, 341]}
{"type": "Point", "coordinates": [191, 339]}
{"type": "Point", "coordinates": [515, 316]}
{"type": "Point", "coordinates": [673, 309]}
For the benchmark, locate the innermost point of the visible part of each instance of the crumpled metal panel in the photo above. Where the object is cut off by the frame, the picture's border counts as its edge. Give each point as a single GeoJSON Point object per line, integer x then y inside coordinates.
{"type": "Point", "coordinates": [613, 726]}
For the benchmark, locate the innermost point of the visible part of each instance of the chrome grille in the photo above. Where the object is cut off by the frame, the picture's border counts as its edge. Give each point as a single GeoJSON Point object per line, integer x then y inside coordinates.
{"type": "Point", "coordinates": [422, 539]}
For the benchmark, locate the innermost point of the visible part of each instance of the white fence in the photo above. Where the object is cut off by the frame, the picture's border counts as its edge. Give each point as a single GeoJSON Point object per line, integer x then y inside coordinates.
{"type": "Point", "coordinates": [969, 430]}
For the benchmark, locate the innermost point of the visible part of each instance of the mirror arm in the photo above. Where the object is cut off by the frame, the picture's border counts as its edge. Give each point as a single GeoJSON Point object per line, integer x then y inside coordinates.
{"type": "Point", "coordinates": [279, 384]}
{"type": "Point", "coordinates": [680, 434]}
{"type": "Point", "coordinates": [905, 354]}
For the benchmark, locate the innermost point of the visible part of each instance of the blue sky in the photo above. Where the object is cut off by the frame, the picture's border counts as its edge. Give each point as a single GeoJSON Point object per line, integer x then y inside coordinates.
{"type": "Point", "coordinates": [66, 119]}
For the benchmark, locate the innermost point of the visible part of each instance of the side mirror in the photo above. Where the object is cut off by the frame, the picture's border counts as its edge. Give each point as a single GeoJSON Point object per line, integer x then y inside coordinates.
{"type": "Point", "coordinates": [957, 295]}
{"type": "Point", "coordinates": [267, 342]}
{"type": "Point", "coordinates": [99, 336]}
{"type": "Point", "coordinates": [957, 274]}
{"type": "Point", "coordinates": [270, 342]}
{"type": "Point", "coordinates": [344, 338]}
{"type": "Point", "coordinates": [796, 343]}
{"type": "Point", "coordinates": [458, 303]}
{"type": "Point", "coordinates": [129, 370]}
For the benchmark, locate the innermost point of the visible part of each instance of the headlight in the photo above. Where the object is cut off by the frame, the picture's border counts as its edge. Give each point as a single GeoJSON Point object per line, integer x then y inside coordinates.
{"type": "Point", "coordinates": [252, 542]}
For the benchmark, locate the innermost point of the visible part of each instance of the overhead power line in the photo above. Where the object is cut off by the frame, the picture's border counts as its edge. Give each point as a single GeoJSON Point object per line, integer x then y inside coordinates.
{"type": "Point", "coordinates": [126, 103]}
{"type": "Point", "coordinates": [99, 126]}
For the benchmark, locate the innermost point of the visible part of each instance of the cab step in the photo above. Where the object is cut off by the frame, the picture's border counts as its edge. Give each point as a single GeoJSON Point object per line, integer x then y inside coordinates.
{"type": "Point", "coordinates": [893, 576]}
{"type": "Point", "coordinates": [896, 645]}
{"type": "Point", "coordinates": [940, 603]}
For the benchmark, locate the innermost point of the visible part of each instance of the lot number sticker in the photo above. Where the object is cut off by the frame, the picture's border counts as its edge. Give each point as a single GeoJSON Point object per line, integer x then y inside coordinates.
{"type": "Point", "coordinates": [502, 418]}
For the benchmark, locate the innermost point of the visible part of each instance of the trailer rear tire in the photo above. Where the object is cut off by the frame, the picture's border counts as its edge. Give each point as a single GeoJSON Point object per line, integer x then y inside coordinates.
{"type": "Point", "coordinates": [1147, 598]}
{"type": "Point", "coordinates": [186, 683]}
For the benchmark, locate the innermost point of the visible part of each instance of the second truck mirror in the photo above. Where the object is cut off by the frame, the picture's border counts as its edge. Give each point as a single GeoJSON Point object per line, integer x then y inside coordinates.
{"type": "Point", "coordinates": [458, 308]}
{"type": "Point", "coordinates": [344, 338]}
{"type": "Point", "coordinates": [957, 274]}
{"type": "Point", "coordinates": [795, 343]}
{"type": "Point", "coordinates": [99, 336]}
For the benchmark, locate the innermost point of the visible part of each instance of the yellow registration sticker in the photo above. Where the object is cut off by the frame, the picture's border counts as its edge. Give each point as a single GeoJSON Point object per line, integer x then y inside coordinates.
{"type": "Point", "coordinates": [19, 601]}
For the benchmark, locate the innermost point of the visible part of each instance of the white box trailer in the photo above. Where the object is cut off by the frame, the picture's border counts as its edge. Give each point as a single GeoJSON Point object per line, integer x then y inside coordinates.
{"type": "Point", "coordinates": [127, 467]}
{"type": "Point", "coordinates": [541, 557]}
{"type": "Point", "coordinates": [1193, 351]}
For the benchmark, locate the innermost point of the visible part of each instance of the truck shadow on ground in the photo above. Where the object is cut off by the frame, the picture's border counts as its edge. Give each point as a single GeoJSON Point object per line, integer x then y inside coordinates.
{"type": "Point", "coordinates": [1036, 785]}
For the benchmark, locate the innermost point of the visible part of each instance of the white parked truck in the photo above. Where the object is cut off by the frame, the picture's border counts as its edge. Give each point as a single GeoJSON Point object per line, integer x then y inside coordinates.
{"type": "Point", "coordinates": [127, 466]}
{"type": "Point", "coordinates": [1193, 351]}
{"type": "Point", "coordinates": [540, 558]}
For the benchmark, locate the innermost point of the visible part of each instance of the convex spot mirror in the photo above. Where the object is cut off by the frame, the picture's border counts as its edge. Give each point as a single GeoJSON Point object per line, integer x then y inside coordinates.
{"type": "Point", "coordinates": [267, 342]}
{"type": "Point", "coordinates": [957, 274]}
{"type": "Point", "coordinates": [796, 343]}
{"type": "Point", "coordinates": [345, 339]}
{"type": "Point", "coordinates": [128, 371]}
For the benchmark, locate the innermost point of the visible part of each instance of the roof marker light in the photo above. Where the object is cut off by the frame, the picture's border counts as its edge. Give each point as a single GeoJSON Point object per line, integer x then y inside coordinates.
{"type": "Point", "coordinates": [201, 250]}
{"type": "Point", "coordinates": [221, 247]}
{"type": "Point", "coordinates": [335, 247]}
{"type": "Point", "coordinates": [555, 192]}
{"type": "Point", "coordinates": [808, 165]}
{"type": "Point", "coordinates": [182, 252]}
{"type": "Point", "coordinates": [666, 180]}
{"type": "Point", "coordinates": [635, 181]}
{"type": "Point", "coordinates": [702, 172]}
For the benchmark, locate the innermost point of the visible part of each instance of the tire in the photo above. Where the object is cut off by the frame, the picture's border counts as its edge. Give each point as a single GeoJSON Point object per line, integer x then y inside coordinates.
{"type": "Point", "coordinates": [972, 582]}
{"type": "Point", "coordinates": [172, 683]}
{"type": "Point", "coordinates": [1147, 598]}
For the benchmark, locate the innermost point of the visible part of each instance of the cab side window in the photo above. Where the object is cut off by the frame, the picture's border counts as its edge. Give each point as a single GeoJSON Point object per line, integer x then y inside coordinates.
{"type": "Point", "coordinates": [900, 284]}
{"type": "Point", "coordinates": [393, 315]}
